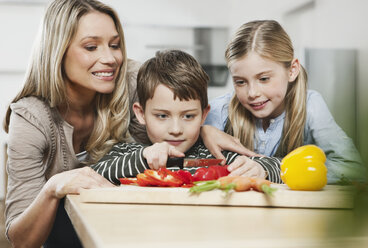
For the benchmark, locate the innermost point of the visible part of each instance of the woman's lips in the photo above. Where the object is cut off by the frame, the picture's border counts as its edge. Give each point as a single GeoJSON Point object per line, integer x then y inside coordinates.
{"type": "Point", "coordinates": [259, 105]}
{"type": "Point", "coordinates": [175, 142]}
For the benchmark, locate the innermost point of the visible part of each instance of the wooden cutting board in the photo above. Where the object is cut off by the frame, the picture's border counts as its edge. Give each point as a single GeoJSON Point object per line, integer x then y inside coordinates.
{"type": "Point", "coordinates": [331, 196]}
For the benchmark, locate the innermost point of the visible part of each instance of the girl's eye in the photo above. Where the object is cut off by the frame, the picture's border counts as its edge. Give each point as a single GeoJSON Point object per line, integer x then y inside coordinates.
{"type": "Point", "coordinates": [239, 82]}
{"type": "Point", "coordinates": [264, 79]}
{"type": "Point", "coordinates": [91, 48]}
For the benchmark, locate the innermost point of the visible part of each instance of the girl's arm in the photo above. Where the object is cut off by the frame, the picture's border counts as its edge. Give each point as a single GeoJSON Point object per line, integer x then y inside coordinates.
{"type": "Point", "coordinates": [343, 159]}
{"type": "Point", "coordinates": [217, 141]}
{"type": "Point", "coordinates": [31, 202]}
{"type": "Point", "coordinates": [124, 160]}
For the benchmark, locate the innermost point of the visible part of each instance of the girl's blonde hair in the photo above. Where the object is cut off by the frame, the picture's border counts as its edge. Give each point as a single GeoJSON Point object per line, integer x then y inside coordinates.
{"type": "Point", "coordinates": [269, 40]}
{"type": "Point", "coordinates": [45, 77]}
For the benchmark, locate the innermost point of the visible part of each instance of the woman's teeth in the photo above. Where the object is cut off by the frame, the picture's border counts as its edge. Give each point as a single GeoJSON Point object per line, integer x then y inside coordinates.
{"type": "Point", "coordinates": [103, 74]}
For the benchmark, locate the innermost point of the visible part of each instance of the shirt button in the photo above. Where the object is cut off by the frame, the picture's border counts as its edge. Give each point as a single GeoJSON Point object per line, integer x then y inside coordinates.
{"type": "Point", "coordinates": [272, 120]}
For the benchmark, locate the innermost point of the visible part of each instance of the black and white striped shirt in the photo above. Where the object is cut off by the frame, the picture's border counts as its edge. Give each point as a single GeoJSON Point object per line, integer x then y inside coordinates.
{"type": "Point", "coordinates": [126, 160]}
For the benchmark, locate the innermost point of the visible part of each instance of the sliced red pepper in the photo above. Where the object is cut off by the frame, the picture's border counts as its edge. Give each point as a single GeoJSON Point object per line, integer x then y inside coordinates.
{"type": "Point", "coordinates": [184, 175]}
{"type": "Point", "coordinates": [163, 178]}
{"type": "Point", "coordinates": [128, 180]}
{"type": "Point", "coordinates": [144, 180]}
{"type": "Point", "coordinates": [221, 170]}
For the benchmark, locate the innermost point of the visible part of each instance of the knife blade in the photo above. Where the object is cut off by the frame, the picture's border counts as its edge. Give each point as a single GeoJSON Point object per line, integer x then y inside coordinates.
{"type": "Point", "coordinates": [191, 162]}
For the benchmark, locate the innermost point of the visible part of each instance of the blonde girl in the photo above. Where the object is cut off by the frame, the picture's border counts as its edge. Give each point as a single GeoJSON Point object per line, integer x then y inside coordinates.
{"type": "Point", "coordinates": [73, 107]}
{"type": "Point", "coordinates": [272, 112]}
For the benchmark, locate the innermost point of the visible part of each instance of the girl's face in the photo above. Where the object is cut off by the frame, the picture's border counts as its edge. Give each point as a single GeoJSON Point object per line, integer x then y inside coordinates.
{"type": "Point", "coordinates": [94, 56]}
{"type": "Point", "coordinates": [261, 84]}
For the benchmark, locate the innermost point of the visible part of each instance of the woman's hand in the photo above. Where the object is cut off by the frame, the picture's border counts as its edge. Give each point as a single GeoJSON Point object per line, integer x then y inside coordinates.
{"type": "Point", "coordinates": [70, 182]}
{"type": "Point", "coordinates": [157, 154]}
{"type": "Point", "coordinates": [244, 166]}
{"type": "Point", "coordinates": [217, 141]}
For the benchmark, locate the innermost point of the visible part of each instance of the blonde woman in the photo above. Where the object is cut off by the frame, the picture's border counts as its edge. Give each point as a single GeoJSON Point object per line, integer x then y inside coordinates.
{"type": "Point", "coordinates": [272, 112]}
{"type": "Point", "coordinates": [73, 107]}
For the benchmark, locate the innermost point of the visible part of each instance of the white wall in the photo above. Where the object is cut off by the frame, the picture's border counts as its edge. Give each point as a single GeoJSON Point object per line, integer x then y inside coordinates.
{"type": "Point", "coordinates": [337, 24]}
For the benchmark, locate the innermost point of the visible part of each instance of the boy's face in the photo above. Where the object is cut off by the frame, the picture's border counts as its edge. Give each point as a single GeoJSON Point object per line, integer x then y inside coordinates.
{"type": "Point", "coordinates": [174, 121]}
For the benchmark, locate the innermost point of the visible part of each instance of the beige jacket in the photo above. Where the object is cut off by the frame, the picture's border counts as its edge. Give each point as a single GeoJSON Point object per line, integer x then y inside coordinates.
{"type": "Point", "coordinates": [40, 146]}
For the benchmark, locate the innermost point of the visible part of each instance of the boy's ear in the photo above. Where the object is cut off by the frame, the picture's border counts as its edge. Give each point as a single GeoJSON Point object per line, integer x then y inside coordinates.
{"type": "Point", "coordinates": [205, 113]}
{"type": "Point", "coordinates": [139, 113]}
{"type": "Point", "coordinates": [294, 70]}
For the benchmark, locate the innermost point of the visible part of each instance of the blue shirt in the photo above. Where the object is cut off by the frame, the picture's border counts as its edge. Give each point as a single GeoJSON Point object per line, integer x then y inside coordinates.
{"type": "Point", "coordinates": [320, 129]}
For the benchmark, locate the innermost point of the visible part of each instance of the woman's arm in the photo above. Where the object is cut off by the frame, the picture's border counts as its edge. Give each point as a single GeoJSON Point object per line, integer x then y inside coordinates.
{"type": "Point", "coordinates": [33, 226]}
{"type": "Point", "coordinates": [31, 202]}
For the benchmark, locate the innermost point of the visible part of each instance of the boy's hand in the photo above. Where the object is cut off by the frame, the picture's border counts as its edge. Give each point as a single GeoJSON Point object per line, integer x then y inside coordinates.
{"type": "Point", "coordinates": [244, 166]}
{"type": "Point", "coordinates": [157, 154]}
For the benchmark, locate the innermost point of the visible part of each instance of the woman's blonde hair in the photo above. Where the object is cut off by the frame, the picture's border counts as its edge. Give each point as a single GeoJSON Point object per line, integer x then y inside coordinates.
{"type": "Point", "coordinates": [269, 40]}
{"type": "Point", "coordinates": [45, 77]}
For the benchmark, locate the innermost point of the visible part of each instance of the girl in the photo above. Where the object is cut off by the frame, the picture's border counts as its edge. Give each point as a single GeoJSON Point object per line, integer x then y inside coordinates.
{"type": "Point", "coordinates": [272, 112]}
{"type": "Point", "coordinates": [74, 102]}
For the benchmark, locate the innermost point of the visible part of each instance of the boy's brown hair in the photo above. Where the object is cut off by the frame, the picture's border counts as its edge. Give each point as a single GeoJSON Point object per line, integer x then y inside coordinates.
{"type": "Point", "coordinates": [178, 71]}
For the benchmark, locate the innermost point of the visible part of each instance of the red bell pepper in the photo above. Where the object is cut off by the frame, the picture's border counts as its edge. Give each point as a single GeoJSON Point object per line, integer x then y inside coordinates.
{"type": "Point", "coordinates": [211, 173]}
{"type": "Point", "coordinates": [184, 175]}
{"type": "Point", "coordinates": [128, 180]}
{"type": "Point", "coordinates": [163, 177]}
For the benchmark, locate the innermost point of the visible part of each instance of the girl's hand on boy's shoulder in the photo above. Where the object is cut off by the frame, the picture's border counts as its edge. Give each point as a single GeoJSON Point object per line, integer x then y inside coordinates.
{"type": "Point", "coordinates": [244, 166]}
{"type": "Point", "coordinates": [217, 141]}
{"type": "Point", "coordinates": [156, 155]}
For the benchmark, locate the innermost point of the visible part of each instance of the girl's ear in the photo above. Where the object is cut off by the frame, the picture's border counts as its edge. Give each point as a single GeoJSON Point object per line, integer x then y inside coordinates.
{"type": "Point", "coordinates": [139, 113]}
{"type": "Point", "coordinates": [294, 70]}
{"type": "Point", "coordinates": [205, 113]}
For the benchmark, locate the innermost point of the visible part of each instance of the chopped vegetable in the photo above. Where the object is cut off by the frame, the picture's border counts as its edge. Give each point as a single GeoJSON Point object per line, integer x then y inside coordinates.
{"type": "Point", "coordinates": [128, 180]}
{"type": "Point", "coordinates": [237, 183]}
{"type": "Point", "coordinates": [210, 173]}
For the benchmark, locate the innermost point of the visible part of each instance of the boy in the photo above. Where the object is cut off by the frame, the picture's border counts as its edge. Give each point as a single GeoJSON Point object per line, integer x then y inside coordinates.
{"type": "Point", "coordinates": [173, 104]}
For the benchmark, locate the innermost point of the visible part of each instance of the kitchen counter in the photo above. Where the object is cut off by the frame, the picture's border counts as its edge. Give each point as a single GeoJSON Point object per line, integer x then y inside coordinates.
{"type": "Point", "coordinates": [155, 225]}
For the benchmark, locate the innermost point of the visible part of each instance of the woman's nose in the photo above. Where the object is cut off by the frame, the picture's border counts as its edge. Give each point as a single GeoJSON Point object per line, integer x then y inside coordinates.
{"type": "Point", "coordinates": [107, 56]}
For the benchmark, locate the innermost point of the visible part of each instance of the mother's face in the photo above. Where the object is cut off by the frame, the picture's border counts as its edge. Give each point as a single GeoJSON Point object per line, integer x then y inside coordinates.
{"type": "Point", "coordinates": [94, 56]}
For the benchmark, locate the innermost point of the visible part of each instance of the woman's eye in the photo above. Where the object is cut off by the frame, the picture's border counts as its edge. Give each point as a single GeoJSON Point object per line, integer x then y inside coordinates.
{"type": "Point", "coordinates": [161, 116]}
{"type": "Point", "coordinates": [115, 46]}
{"type": "Point", "coordinates": [91, 48]}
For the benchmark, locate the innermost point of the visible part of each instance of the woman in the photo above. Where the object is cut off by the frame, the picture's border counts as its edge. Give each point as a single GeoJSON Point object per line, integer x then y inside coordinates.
{"type": "Point", "coordinates": [74, 102]}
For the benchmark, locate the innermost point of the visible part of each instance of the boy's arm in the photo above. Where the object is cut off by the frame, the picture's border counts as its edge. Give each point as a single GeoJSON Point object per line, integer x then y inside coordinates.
{"type": "Point", "coordinates": [270, 164]}
{"type": "Point", "coordinates": [123, 160]}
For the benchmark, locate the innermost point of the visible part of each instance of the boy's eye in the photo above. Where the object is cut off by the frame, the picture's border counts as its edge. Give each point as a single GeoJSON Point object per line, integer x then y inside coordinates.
{"type": "Point", "coordinates": [189, 117]}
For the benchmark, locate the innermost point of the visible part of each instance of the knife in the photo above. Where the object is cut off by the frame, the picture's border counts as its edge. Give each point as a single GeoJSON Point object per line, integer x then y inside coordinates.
{"type": "Point", "coordinates": [191, 162]}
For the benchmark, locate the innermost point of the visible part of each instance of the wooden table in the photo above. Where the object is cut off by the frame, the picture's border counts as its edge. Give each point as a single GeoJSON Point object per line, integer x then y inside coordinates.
{"type": "Point", "coordinates": [148, 225]}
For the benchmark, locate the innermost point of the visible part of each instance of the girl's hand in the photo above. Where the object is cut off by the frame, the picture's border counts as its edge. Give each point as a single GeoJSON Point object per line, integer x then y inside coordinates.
{"type": "Point", "coordinates": [217, 141]}
{"type": "Point", "coordinates": [244, 166]}
{"type": "Point", "coordinates": [70, 182]}
{"type": "Point", "coordinates": [157, 154]}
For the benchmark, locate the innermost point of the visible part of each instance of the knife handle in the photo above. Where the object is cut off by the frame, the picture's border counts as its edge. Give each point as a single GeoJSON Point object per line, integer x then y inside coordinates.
{"type": "Point", "coordinates": [175, 162]}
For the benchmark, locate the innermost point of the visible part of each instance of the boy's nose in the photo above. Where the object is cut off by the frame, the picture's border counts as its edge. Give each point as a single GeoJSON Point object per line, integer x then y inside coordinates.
{"type": "Point", "coordinates": [175, 127]}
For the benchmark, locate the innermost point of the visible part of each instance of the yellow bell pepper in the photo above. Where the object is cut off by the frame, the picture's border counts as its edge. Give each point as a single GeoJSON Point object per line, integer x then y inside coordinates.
{"type": "Point", "coordinates": [304, 168]}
